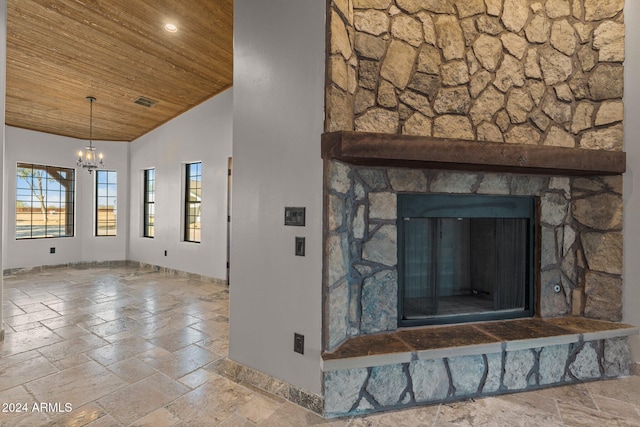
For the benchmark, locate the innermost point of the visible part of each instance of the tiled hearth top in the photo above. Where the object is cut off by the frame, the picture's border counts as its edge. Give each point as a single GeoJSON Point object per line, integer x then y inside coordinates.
{"type": "Point", "coordinates": [469, 339]}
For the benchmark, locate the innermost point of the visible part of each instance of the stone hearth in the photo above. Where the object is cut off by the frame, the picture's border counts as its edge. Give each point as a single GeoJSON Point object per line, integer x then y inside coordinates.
{"type": "Point", "coordinates": [440, 364]}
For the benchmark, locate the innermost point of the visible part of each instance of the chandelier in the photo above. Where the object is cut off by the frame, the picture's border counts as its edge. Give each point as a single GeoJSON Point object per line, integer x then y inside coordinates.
{"type": "Point", "coordinates": [87, 158]}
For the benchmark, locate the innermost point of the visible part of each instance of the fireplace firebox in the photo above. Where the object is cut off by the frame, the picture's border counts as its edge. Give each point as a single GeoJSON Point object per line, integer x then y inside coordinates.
{"type": "Point", "coordinates": [464, 258]}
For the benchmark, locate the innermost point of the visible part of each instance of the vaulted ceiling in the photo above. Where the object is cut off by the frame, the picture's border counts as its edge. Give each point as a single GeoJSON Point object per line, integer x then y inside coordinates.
{"type": "Point", "coordinates": [61, 51]}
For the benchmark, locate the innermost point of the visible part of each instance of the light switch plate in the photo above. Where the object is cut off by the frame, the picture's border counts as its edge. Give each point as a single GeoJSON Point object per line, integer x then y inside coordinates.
{"type": "Point", "coordinates": [300, 244]}
{"type": "Point", "coordinates": [298, 343]}
{"type": "Point", "coordinates": [294, 216]}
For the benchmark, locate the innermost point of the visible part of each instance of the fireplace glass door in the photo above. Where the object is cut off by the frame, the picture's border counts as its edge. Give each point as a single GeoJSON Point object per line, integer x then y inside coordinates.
{"type": "Point", "coordinates": [464, 258]}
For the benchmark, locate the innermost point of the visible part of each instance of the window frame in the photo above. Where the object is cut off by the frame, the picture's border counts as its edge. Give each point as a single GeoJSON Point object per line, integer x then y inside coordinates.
{"type": "Point", "coordinates": [97, 197]}
{"type": "Point", "coordinates": [148, 202]}
{"type": "Point", "coordinates": [66, 199]}
{"type": "Point", "coordinates": [191, 203]}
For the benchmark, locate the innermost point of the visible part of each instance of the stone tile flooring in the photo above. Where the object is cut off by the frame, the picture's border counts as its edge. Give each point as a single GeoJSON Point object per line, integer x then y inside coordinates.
{"type": "Point", "coordinates": [130, 347]}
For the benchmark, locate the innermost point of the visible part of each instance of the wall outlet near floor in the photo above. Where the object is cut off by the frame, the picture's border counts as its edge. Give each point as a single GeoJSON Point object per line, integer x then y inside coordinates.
{"type": "Point", "coordinates": [52, 250]}
{"type": "Point", "coordinates": [165, 253]}
{"type": "Point", "coordinates": [298, 343]}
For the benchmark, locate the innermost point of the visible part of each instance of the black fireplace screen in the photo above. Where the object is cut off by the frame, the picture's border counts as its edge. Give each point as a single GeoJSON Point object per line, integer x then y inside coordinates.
{"type": "Point", "coordinates": [464, 258]}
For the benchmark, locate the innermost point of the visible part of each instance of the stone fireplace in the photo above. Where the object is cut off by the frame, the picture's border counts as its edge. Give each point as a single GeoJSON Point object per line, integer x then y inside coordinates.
{"type": "Point", "coordinates": [580, 243]}
{"type": "Point", "coordinates": [472, 97]}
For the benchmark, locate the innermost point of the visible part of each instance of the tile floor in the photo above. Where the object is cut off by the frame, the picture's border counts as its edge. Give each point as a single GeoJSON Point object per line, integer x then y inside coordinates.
{"type": "Point", "coordinates": [130, 347]}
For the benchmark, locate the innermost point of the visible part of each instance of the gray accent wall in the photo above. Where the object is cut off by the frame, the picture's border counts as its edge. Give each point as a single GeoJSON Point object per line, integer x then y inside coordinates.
{"type": "Point", "coordinates": [29, 146]}
{"type": "Point", "coordinates": [278, 120]}
{"type": "Point", "coordinates": [631, 275]}
{"type": "Point", "coordinates": [202, 134]}
{"type": "Point", "coordinates": [3, 79]}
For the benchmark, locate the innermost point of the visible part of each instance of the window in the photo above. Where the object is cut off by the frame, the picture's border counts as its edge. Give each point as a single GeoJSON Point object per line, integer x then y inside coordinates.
{"type": "Point", "coordinates": [44, 201]}
{"type": "Point", "coordinates": [149, 202]}
{"type": "Point", "coordinates": [193, 196]}
{"type": "Point", "coordinates": [106, 203]}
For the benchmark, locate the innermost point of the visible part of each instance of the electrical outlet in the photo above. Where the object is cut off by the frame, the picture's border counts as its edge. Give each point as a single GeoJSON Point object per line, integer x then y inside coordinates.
{"type": "Point", "coordinates": [165, 253]}
{"type": "Point", "coordinates": [52, 250]}
{"type": "Point", "coordinates": [298, 343]}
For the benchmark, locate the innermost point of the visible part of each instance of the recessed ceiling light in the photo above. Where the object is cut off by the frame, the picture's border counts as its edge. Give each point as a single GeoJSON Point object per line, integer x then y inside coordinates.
{"type": "Point", "coordinates": [171, 28]}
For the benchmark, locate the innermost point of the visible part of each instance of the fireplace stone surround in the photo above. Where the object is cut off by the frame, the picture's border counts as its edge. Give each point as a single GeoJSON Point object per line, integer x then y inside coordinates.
{"type": "Point", "coordinates": [370, 364]}
{"type": "Point", "coordinates": [579, 239]}
{"type": "Point", "coordinates": [520, 97]}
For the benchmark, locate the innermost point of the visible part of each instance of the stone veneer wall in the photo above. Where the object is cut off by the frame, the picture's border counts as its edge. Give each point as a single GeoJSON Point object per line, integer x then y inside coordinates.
{"type": "Point", "coordinates": [421, 381]}
{"type": "Point", "coordinates": [580, 242]}
{"type": "Point", "coordinates": [545, 72]}
{"type": "Point", "coordinates": [517, 71]}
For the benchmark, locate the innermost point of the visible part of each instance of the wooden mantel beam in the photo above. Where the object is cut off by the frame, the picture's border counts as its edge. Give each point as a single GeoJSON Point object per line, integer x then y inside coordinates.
{"type": "Point", "coordinates": [392, 150]}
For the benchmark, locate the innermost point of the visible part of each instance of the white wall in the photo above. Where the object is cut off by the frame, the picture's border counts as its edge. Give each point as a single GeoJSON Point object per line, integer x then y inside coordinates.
{"type": "Point", "coordinates": [3, 75]}
{"type": "Point", "coordinates": [278, 120]}
{"type": "Point", "coordinates": [201, 134]}
{"type": "Point", "coordinates": [46, 149]}
{"type": "Point", "coordinates": [632, 176]}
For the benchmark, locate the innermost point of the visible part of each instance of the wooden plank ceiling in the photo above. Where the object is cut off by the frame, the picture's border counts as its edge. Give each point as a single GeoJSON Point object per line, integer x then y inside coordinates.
{"type": "Point", "coordinates": [61, 51]}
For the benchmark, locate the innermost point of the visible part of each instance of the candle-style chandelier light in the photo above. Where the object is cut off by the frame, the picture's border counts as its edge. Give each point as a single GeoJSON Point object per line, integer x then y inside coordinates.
{"type": "Point", "coordinates": [87, 159]}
